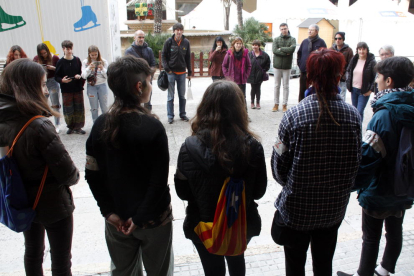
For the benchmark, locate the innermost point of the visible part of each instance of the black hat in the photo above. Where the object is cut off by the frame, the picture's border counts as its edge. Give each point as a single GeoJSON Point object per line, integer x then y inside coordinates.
{"type": "Point", "coordinates": [341, 34]}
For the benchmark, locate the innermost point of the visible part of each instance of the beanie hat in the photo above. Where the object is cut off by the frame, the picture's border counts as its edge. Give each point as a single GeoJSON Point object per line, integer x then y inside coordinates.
{"type": "Point", "coordinates": [341, 34]}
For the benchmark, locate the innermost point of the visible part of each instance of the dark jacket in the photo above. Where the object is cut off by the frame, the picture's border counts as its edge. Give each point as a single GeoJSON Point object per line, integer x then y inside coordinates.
{"type": "Point", "coordinates": [260, 65]}
{"type": "Point", "coordinates": [348, 54]}
{"type": "Point", "coordinates": [375, 180]}
{"type": "Point", "coordinates": [283, 48]}
{"type": "Point", "coordinates": [132, 180]}
{"type": "Point", "coordinates": [199, 180]}
{"type": "Point", "coordinates": [216, 58]}
{"type": "Point", "coordinates": [39, 146]}
{"type": "Point", "coordinates": [303, 52]}
{"type": "Point", "coordinates": [368, 75]}
{"type": "Point", "coordinates": [177, 58]}
{"type": "Point", "coordinates": [69, 68]}
{"type": "Point", "coordinates": [143, 51]}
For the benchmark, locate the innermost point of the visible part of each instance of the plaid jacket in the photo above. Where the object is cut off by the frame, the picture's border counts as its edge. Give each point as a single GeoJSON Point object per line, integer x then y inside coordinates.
{"type": "Point", "coordinates": [316, 168]}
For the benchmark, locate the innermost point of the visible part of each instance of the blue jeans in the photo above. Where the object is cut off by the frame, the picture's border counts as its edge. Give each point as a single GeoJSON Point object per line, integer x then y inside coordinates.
{"type": "Point", "coordinates": [180, 79]}
{"type": "Point", "coordinates": [98, 95]}
{"type": "Point", "coordinates": [359, 101]}
{"type": "Point", "coordinates": [53, 87]}
{"type": "Point", "coordinates": [342, 85]}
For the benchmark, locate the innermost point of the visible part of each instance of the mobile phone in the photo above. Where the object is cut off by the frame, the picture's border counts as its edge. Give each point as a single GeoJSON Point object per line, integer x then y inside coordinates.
{"type": "Point", "coordinates": [97, 63]}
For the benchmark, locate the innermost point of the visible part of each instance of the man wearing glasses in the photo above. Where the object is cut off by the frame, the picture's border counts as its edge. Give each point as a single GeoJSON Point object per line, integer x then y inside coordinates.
{"type": "Point", "coordinates": [139, 48]}
{"type": "Point", "coordinates": [343, 48]}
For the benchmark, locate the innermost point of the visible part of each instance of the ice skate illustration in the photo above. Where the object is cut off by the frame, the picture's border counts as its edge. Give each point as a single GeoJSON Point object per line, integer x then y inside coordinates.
{"type": "Point", "coordinates": [88, 16]}
{"type": "Point", "coordinates": [16, 21]}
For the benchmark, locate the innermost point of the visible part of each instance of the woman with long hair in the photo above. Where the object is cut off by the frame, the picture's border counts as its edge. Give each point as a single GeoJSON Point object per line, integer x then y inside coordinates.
{"type": "Point", "coordinates": [315, 159]}
{"type": "Point", "coordinates": [39, 146]}
{"type": "Point", "coordinates": [361, 77]}
{"type": "Point", "coordinates": [127, 172]}
{"type": "Point", "coordinates": [221, 146]}
{"type": "Point", "coordinates": [48, 60]}
{"type": "Point", "coordinates": [236, 65]}
{"type": "Point", "coordinates": [381, 182]}
{"type": "Point", "coordinates": [98, 91]}
{"type": "Point", "coordinates": [15, 52]}
{"type": "Point", "coordinates": [216, 57]}
{"type": "Point", "coordinates": [260, 61]}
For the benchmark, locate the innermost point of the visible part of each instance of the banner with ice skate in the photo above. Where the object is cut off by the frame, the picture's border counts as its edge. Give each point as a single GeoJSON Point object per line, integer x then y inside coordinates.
{"type": "Point", "coordinates": [88, 20]}
{"type": "Point", "coordinates": [10, 21]}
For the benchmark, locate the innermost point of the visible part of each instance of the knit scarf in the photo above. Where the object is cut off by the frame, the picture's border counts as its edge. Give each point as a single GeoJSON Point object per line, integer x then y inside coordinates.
{"type": "Point", "coordinates": [311, 40]}
{"type": "Point", "coordinates": [238, 54]}
{"type": "Point", "coordinates": [387, 91]}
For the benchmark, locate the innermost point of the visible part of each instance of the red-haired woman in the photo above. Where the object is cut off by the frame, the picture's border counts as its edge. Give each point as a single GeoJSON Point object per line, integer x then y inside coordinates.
{"type": "Point", "coordinates": [315, 159]}
{"type": "Point", "coordinates": [49, 61]}
{"type": "Point", "coordinates": [236, 64]}
{"type": "Point", "coordinates": [15, 52]}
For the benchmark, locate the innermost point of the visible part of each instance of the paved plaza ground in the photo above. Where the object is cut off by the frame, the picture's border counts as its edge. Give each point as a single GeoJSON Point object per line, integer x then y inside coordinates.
{"type": "Point", "coordinates": [263, 256]}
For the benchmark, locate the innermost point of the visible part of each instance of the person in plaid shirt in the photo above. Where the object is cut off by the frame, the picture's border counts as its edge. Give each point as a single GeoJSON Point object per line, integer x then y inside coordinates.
{"type": "Point", "coordinates": [315, 158]}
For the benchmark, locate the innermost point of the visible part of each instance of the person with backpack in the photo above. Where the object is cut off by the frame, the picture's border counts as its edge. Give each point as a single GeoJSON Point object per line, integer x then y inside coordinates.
{"type": "Point", "coordinates": [376, 181]}
{"type": "Point", "coordinates": [260, 61]}
{"type": "Point", "coordinates": [39, 146]}
{"type": "Point", "coordinates": [221, 148]}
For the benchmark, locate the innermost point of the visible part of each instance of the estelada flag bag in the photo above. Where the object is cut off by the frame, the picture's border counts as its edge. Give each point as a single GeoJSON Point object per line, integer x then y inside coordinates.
{"type": "Point", "coordinates": [227, 234]}
{"type": "Point", "coordinates": [15, 212]}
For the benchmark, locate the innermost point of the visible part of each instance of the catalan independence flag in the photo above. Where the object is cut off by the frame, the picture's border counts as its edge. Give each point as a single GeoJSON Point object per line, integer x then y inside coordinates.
{"type": "Point", "coordinates": [226, 235]}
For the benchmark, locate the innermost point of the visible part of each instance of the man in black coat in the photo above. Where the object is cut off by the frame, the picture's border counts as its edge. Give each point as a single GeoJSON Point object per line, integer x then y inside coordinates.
{"type": "Point", "coordinates": [312, 43]}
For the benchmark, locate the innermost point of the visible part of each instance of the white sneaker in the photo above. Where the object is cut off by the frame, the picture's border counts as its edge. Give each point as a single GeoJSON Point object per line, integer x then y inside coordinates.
{"type": "Point", "coordinates": [57, 129]}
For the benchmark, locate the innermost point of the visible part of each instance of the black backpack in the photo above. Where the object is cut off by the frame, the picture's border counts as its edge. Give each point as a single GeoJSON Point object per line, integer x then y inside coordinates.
{"type": "Point", "coordinates": [163, 80]}
{"type": "Point", "coordinates": [404, 164]}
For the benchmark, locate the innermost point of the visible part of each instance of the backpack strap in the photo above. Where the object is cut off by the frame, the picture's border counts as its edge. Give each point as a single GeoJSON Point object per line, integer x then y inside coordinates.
{"type": "Point", "coordinates": [10, 153]}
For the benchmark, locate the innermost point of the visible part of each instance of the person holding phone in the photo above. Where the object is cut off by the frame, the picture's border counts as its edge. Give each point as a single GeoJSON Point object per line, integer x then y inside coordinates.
{"type": "Point", "coordinates": [97, 92]}
{"type": "Point", "coordinates": [48, 61]}
{"type": "Point", "coordinates": [216, 57]}
{"type": "Point", "coordinates": [68, 74]}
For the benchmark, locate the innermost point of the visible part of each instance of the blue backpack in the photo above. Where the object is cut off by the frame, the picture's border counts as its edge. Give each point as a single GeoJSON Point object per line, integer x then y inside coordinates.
{"type": "Point", "coordinates": [404, 165]}
{"type": "Point", "coordinates": [15, 212]}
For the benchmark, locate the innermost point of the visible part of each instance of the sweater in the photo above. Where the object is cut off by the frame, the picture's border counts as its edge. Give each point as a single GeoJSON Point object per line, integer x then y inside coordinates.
{"type": "Point", "coordinates": [368, 78]}
{"type": "Point", "coordinates": [50, 73]}
{"type": "Point", "coordinates": [283, 48]}
{"type": "Point", "coordinates": [101, 76]}
{"type": "Point", "coordinates": [69, 68]}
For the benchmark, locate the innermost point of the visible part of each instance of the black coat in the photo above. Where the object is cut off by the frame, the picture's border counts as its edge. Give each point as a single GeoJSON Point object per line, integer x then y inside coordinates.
{"type": "Point", "coordinates": [368, 75]}
{"type": "Point", "coordinates": [260, 65]}
{"type": "Point", "coordinates": [204, 178]}
{"type": "Point", "coordinates": [39, 146]}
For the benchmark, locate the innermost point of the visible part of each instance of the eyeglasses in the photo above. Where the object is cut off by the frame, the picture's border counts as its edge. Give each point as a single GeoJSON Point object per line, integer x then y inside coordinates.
{"type": "Point", "coordinates": [141, 37]}
{"type": "Point", "coordinates": [338, 38]}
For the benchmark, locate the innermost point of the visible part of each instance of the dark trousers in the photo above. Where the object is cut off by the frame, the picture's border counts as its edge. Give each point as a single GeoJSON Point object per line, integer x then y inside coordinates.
{"type": "Point", "coordinates": [74, 110]}
{"type": "Point", "coordinates": [255, 92]}
{"type": "Point", "coordinates": [243, 89]}
{"type": "Point", "coordinates": [296, 243]}
{"type": "Point", "coordinates": [60, 240]}
{"type": "Point", "coordinates": [372, 230]}
{"type": "Point", "coordinates": [216, 78]}
{"type": "Point", "coordinates": [302, 86]}
{"type": "Point", "coordinates": [214, 265]}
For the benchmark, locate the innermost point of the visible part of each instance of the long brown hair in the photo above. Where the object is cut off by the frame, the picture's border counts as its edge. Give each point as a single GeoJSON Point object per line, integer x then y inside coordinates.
{"type": "Point", "coordinates": [92, 49]}
{"type": "Point", "coordinates": [123, 75]}
{"type": "Point", "coordinates": [10, 55]}
{"type": "Point", "coordinates": [28, 92]}
{"type": "Point", "coordinates": [40, 58]}
{"type": "Point", "coordinates": [222, 123]}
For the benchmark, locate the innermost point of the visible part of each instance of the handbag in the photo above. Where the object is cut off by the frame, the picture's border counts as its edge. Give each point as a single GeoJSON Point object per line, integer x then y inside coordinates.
{"type": "Point", "coordinates": [15, 212]}
{"type": "Point", "coordinates": [92, 78]}
{"type": "Point", "coordinates": [163, 80]}
{"type": "Point", "coordinates": [265, 75]}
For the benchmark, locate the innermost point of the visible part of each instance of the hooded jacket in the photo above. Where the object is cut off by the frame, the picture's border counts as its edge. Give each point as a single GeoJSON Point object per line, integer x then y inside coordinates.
{"type": "Point", "coordinates": [147, 53]}
{"type": "Point", "coordinates": [260, 65]}
{"type": "Point", "coordinates": [39, 146]}
{"type": "Point", "coordinates": [375, 182]}
{"type": "Point", "coordinates": [368, 75]}
{"type": "Point", "coordinates": [348, 54]}
{"type": "Point", "coordinates": [283, 48]}
{"type": "Point", "coordinates": [199, 180]}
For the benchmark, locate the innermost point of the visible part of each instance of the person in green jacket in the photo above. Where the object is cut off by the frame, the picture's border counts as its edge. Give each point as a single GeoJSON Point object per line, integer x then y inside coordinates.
{"type": "Point", "coordinates": [283, 49]}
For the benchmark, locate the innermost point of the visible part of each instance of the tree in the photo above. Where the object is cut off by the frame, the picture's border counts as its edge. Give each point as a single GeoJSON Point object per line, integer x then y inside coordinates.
{"type": "Point", "coordinates": [157, 16]}
{"type": "Point", "coordinates": [226, 5]}
{"type": "Point", "coordinates": [252, 30]}
{"type": "Point", "coordinates": [239, 13]}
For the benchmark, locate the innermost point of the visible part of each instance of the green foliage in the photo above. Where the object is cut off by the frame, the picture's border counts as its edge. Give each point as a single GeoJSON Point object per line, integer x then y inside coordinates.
{"type": "Point", "coordinates": [252, 29]}
{"type": "Point", "coordinates": [155, 42]}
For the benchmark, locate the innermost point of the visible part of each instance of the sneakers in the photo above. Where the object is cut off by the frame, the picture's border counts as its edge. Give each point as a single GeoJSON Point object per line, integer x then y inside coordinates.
{"type": "Point", "coordinates": [252, 106]}
{"type": "Point", "coordinates": [170, 120]}
{"type": "Point", "coordinates": [185, 118]}
{"type": "Point", "coordinates": [284, 108]}
{"type": "Point", "coordinates": [70, 131]}
{"type": "Point", "coordinates": [79, 131]}
{"type": "Point", "coordinates": [258, 106]}
{"type": "Point", "coordinates": [57, 129]}
{"type": "Point", "coordinates": [275, 108]}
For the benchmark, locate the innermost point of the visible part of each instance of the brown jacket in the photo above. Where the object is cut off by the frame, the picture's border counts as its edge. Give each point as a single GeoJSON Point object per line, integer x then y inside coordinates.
{"type": "Point", "coordinates": [216, 58]}
{"type": "Point", "coordinates": [348, 54]}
